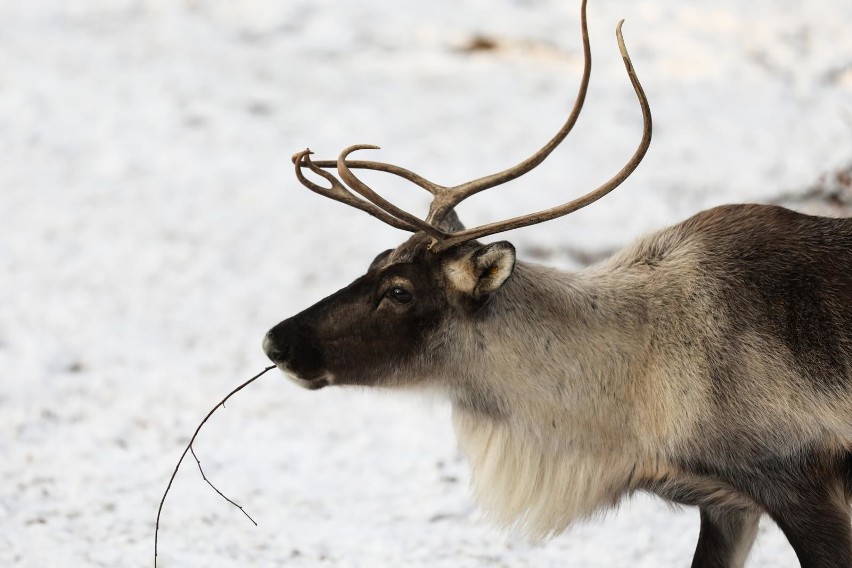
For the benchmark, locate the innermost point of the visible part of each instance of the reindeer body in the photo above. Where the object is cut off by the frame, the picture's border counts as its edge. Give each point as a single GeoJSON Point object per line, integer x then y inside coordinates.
{"type": "Point", "coordinates": [710, 363]}
{"type": "Point", "coordinates": [695, 364]}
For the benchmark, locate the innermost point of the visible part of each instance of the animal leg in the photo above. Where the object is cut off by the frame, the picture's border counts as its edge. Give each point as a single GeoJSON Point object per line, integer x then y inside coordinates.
{"type": "Point", "coordinates": [725, 538]}
{"type": "Point", "coordinates": [815, 519]}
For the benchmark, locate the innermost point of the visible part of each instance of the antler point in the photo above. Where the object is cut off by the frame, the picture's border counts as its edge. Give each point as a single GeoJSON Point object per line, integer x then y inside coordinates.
{"type": "Point", "coordinates": [297, 157]}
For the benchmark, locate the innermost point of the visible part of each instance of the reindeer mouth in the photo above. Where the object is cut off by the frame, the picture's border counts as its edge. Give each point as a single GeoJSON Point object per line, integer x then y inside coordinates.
{"type": "Point", "coordinates": [302, 367]}
{"type": "Point", "coordinates": [315, 383]}
{"type": "Point", "coordinates": [321, 380]}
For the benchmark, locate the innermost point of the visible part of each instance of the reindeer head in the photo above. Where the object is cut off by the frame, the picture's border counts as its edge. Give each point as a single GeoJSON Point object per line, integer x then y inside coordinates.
{"type": "Point", "coordinates": [399, 323]}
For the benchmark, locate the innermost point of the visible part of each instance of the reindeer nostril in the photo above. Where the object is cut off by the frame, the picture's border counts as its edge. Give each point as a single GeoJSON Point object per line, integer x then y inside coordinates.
{"type": "Point", "coordinates": [293, 345]}
{"type": "Point", "coordinates": [271, 349]}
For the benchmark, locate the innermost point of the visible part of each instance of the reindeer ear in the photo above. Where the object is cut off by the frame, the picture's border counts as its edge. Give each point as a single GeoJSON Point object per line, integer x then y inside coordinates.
{"type": "Point", "coordinates": [491, 266]}
{"type": "Point", "coordinates": [480, 269]}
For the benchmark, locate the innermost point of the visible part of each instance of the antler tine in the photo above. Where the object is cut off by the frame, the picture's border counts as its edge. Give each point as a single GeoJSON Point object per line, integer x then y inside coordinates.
{"type": "Point", "coordinates": [338, 192]}
{"type": "Point", "coordinates": [571, 206]}
{"type": "Point", "coordinates": [447, 198]}
{"type": "Point", "coordinates": [455, 195]}
{"type": "Point", "coordinates": [367, 193]}
{"type": "Point", "coordinates": [414, 178]}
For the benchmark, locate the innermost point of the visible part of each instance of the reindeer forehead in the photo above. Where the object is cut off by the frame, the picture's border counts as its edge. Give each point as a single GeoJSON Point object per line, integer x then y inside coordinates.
{"type": "Point", "coordinates": [417, 250]}
{"type": "Point", "coordinates": [414, 249]}
{"type": "Point", "coordinates": [413, 260]}
{"type": "Point", "coordinates": [414, 277]}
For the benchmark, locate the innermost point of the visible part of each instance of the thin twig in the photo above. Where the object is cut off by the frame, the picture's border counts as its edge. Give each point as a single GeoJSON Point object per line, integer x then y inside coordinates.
{"type": "Point", "coordinates": [216, 489]}
{"type": "Point", "coordinates": [188, 448]}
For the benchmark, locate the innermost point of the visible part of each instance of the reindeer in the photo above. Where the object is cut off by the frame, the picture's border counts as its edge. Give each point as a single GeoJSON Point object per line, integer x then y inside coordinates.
{"type": "Point", "coordinates": [709, 363]}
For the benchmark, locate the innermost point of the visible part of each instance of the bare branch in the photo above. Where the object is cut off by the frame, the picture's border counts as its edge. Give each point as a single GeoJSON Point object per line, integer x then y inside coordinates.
{"type": "Point", "coordinates": [188, 448]}
{"type": "Point", "coordinates": [216, 489]}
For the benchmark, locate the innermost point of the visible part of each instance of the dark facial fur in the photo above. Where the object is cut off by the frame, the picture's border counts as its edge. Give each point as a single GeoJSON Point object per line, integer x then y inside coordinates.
{"type": "Point", "coordinates": [361, 334]}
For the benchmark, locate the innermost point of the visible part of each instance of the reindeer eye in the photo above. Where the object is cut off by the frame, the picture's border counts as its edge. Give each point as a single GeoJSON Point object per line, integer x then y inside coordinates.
{"type": "Point", "coordinates": [400, 295]}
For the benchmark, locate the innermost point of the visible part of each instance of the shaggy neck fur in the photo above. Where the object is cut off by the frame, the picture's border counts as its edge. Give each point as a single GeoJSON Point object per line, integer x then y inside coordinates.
{"type": "Point", "coordinates": [550, 421]}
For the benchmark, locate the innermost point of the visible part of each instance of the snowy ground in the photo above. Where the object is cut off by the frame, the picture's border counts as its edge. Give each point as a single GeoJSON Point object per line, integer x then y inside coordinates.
{"type": "Point", "coordinates": [152, 231]}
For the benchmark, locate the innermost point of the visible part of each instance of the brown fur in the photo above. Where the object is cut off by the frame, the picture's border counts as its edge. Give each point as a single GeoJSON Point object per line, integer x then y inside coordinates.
{"type": "Point", "coordinates": [710, 363]}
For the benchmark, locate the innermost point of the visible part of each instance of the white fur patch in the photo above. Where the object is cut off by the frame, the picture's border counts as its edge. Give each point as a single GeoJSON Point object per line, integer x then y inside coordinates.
{"type": "Point", "coordinates": [304, 383]}
{"type": "Point", "coordinates": [538, 491]}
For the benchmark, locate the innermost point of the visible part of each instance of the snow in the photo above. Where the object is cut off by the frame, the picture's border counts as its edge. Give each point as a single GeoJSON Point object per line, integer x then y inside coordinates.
{"type": "Point", "coordinates": [152, 230]}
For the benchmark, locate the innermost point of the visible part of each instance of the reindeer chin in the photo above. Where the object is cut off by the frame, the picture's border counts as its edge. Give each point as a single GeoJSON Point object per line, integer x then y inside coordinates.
{"type": "Point", "coordinates": [314, 383]}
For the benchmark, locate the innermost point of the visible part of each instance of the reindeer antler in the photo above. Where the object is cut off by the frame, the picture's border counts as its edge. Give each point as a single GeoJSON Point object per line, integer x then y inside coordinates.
{"type": "Point", "coordinates": [447, 198]}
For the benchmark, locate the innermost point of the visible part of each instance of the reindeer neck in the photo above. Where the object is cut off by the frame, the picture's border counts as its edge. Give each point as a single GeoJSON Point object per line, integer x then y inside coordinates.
{"type": "Point", "coordinates": [561, 352]}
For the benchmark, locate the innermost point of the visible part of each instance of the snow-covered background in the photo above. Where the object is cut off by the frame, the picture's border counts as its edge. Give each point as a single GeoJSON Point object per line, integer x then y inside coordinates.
{"type": "Point", "coordinates": [151, 230]}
